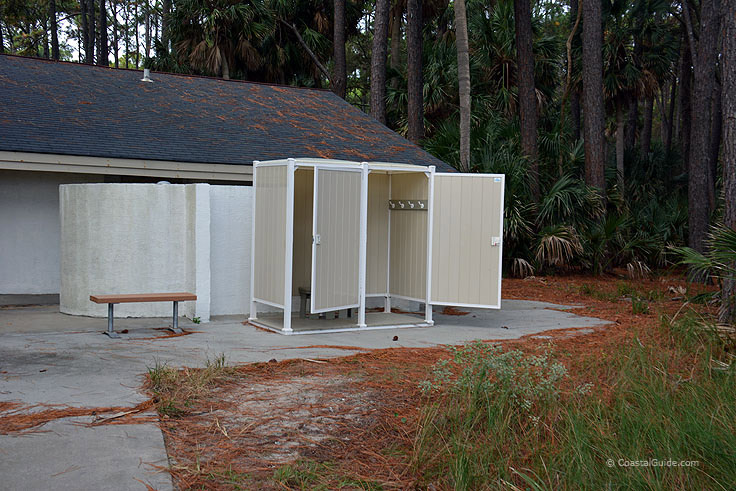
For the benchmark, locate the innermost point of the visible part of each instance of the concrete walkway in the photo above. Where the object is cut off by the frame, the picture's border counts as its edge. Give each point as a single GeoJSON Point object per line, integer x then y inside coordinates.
{"type": "Point", "coordinates": [77, 366]}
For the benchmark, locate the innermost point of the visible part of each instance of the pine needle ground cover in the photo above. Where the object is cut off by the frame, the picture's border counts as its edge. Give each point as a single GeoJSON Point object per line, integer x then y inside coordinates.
{"type": "Point", "coordinates": [615, 408]}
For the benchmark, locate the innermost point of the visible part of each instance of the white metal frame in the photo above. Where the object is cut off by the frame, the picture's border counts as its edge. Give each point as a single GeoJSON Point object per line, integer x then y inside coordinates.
{"type": "Point", "coordinates": [363, 242]}
{"type": "Point", "coordinates": [430, 220]}
{"type": "Point", "coordinates": [364, 168]}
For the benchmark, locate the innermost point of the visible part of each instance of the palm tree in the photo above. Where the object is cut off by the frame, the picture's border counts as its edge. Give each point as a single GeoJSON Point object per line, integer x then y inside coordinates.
{"type": "Point", "coordinates": [378, 61]}
{"type": "Point", "coordinates": [463, 76]}
{"type": "Point", "coordinates": [593, 95]}
{"type": "Point", "coordinates": [620, 81]}
{"type": "Point", "coordinates": [527, 92]}
{"type": "Point", "coordinates": [212, 35]}
{"type": "Point", "coordinates": [415, 79]}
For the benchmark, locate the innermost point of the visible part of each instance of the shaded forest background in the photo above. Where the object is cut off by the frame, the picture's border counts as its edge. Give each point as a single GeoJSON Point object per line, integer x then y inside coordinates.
{"type": "Point", "coordinates": [613, 120]}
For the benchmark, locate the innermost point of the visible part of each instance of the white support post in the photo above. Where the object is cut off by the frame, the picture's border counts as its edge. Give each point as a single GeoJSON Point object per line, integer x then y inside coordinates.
{"type": "Point", "coordinates": [288, 257]}
{"type": "Point", "coordinates": [430, 215]}
{"type": "Point", "coordinates": [363, 242]}
{"type": "Point", "coordinates": [387, 298]}
{"type": "Point", "coordinates": [253, 314]}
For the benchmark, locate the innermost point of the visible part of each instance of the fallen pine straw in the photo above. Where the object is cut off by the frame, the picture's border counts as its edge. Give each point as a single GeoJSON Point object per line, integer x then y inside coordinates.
{"type": "Point", "coordinates": [324, 346]}
{"type": "Point", "coordinates": [17, 418]}
{"type": "Point", "coordinates": [168, 336]}
{"type": "Point", "coordinates": [355, 418]}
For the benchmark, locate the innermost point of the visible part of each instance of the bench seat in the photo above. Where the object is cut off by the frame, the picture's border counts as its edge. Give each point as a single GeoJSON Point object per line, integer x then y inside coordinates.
{"type": "Point", "coordinates": [144, 297]}
{"type": "Point", "coordinates": [111, 300]}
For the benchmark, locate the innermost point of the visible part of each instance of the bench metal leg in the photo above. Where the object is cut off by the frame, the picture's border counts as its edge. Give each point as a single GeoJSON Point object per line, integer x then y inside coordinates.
{"type": "Point", "coordinates": [110, 332]}
{"type": "Point", "coordinates": [175, 323]}
{"type": "Point", "coordinates": [303, 306]}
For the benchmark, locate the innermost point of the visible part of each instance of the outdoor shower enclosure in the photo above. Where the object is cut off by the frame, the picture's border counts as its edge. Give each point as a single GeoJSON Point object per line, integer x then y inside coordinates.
{"type": "Point", "coordinates": [346, 231]}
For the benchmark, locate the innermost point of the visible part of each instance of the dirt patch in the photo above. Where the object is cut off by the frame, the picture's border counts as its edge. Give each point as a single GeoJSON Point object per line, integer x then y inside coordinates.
{"type": "Point", "coordinates": [271, 414]}
{"type": "Point", "coordinates": [264, 424]}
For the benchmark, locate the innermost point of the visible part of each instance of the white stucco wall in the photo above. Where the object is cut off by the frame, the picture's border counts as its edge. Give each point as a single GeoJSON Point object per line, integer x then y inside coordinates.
{"type": "Point", "coordinates": [129, 238]}
{"type": "Point", "coordinates": [30, 231]}
{"type": "Point", "coordinates": [230, 245]}
{"type": "Point", "coordinates": [139, 238]}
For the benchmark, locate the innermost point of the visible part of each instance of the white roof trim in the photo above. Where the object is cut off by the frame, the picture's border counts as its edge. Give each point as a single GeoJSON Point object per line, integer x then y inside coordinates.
{"type": "Point", "coordinates": [313, 162]}
{"type": "Point", "coordinates": [43, 162]}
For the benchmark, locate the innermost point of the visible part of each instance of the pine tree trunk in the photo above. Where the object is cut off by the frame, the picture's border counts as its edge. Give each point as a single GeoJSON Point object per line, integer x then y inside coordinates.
{"type": "Point", "coordinates": [84, 29]}
{"type": "Point", "coordinates": [728, 86]}
{"type": "Point", "coordinates": [46, 51]}
{"type": "Point", "coordinates": [670, 117]}
{"type": "Point", "coordinates": [397, 14]}
{"type": "Point", "coordinates": [631, 122]}
{"type": "Point", "coordinates": [224, 68]}
{"type": "Point", "coordinates": [115, 34]}
{"type": "Point", "coordinates": [593, 95]}
{"type": "Point", "coordinates": [127, 35]}
{"type": "Point", "coordinates": [92, 36]}
{"type": "Point", "coordinates": [54, 30]}
{"type": "Point", "coordinates": [148, 30]}
{"type": "Point", "coordinates": [2, 16]}
{"type": "Point", "coordinates": [685, 104]}
{"type": "Point", "coordinates": [463, 76]}
{"type": "Point", "coordinates": [575, 113]}
{"type": "Point", "coordinates": [646, 130]}
{"type": "Point", "coordinates": [165, 13]}
{"type": "Point", "coordinates": [527, 91]}
{"type": "Point", "coordinates": [415, 73]}
{"type": "Point", "coordinates": [574, 94]}
{"type": "Point", "coordinates": [102, 50]}
{"type": "Point", "coordinates": [378, 61]}
{"type": "Point", "coordinates": [340, 73]}
{"type": "Point", "coordinates": [620, 144]}
{"type": "Point", "coordinates": [699, 158]}
{"type": "Point", "coordinates": [137, 37]}
{"type": "Point", "coordinates": [716, 127]}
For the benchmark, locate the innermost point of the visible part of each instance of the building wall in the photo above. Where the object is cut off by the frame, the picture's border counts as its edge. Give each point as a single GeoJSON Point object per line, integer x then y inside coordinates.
{"type": "Point", "coordinates": [127, 238]}
{"type": "Point", "coordinates": [30, 231]}
{"type": "Point", "coordinates": [231, 227]}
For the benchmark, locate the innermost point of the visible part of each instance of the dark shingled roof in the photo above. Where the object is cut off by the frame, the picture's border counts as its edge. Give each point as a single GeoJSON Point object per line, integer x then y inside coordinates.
{"type": "Point", "coordinates": [73, 109]}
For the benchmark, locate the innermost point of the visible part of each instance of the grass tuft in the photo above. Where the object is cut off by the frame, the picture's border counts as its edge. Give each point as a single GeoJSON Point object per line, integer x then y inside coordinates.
{"type": "Point", "coordinates": [176, 390]}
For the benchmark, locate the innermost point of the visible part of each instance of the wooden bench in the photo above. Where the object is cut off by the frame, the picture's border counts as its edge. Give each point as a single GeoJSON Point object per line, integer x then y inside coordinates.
{"type": "Point", "coordinates": [305, 294]}
{"type": "Point", "coordinates": [111, 300]}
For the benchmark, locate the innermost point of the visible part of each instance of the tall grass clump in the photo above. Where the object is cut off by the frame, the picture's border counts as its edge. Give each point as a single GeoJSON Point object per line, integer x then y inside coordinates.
{"type": "Point", "coordinates": [496, 419]}
{"type": "Point", "coordinates": [175, 390]}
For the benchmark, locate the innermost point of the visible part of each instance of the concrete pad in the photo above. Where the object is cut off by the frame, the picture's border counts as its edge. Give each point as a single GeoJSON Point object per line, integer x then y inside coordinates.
{"type": "Point", "coordinates": [81, 367]}
{"type": "Point", "coordinates": [68, 456]}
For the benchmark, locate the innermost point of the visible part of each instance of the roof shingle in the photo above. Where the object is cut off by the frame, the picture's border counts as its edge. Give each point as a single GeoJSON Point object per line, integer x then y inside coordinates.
{"type": "Point", "coordinates": [74, 109]}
